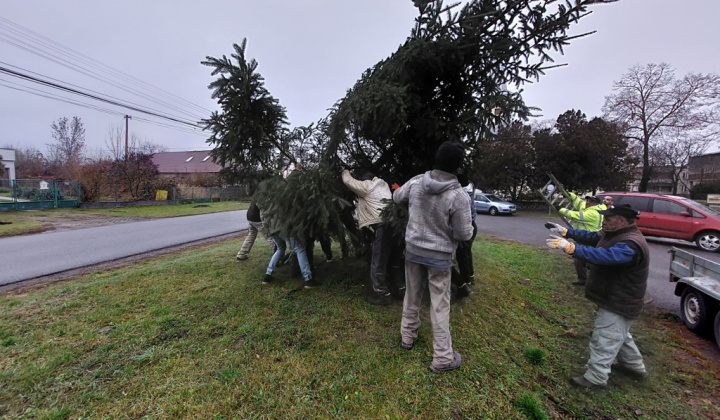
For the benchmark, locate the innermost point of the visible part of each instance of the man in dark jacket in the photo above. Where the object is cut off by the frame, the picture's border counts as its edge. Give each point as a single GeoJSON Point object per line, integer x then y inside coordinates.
{"type": "Point", "coordinates": [464, 276]}
{"type": "Point", "coordinates": [255, 225]}
{"type": "Point", "coordinates": [620, 261]}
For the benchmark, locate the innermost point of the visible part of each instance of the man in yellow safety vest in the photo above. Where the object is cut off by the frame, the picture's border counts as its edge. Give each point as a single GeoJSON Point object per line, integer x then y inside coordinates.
{"type": "Point", "coordinates": [585, 216]}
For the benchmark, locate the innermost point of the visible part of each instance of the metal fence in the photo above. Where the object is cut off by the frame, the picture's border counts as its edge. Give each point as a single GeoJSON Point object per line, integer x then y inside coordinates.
{"type": "Point", "coordinates": [27, 194]}
{"type": "Point", "coordinates": [117, 193]}
{"type": "Point", "coordinates": [207, 194]}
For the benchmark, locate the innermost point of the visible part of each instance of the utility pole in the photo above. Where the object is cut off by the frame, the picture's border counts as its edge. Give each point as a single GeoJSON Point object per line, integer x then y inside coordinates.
{"type": "Point", "coordinates": [127, 117]}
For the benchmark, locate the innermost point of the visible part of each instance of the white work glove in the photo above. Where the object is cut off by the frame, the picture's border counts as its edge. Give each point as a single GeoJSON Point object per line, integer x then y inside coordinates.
{"type": "Point", "coordinates": [557, 242]}
{"type": "Point", "coordinates": [556, 228]}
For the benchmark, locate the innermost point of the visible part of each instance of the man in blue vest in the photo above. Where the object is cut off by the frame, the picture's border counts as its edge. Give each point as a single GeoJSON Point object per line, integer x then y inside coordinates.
{"type": "Point", "coordinates": [620, 261]}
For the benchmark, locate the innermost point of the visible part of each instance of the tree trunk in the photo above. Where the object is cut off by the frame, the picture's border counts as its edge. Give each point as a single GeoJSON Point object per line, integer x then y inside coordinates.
{"type": "Point", "coordinates": [645, 179]}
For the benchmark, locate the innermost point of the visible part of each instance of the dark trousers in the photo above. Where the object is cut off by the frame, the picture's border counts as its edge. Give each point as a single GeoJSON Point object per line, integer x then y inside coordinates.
{"type": "Point", "coordinates": [325, 245]}
{"type": "Point", "coordinates": [464, 273]}
{"type": "Point", "coordinates": [379, 258]}
{"type": "Point", "coordinates": [581, 268]}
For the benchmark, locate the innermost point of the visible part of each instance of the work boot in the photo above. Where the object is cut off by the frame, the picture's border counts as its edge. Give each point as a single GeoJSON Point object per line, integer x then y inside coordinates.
{"type": "Point", "coordinates": [581, 382]}
{"type": "Point", "coordinates": [640, 375]}
{"type": "Point", "coordinates": [383, 299]}
{"type": "Point", "coordinates": [463, 291]}
{"type": "Point", "coordinates": [406, 346]}
{"type": "Point", "coordinates": [456, 361]}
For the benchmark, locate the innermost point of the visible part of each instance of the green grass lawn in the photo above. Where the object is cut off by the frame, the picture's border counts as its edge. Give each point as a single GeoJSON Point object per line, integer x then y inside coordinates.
{"type": "Point", "coordinates": [16, 223]}
{"type": "Point", "coordinates": [26, 221]}
{"type": "Point", "coordinates": [196, 335]}
{"type": "Point", "coordinates": [151, 211]}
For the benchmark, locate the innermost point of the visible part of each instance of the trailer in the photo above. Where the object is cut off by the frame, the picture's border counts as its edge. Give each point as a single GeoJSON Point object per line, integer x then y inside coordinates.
{"type": "Point", "coordinates": [698, 285]}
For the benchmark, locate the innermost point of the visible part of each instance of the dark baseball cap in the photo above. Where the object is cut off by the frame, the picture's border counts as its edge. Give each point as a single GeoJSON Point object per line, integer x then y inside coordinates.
{"type": "Point", "coordinates": [592, 198]}
{"type": "Point", "coordinates": [624, 210]}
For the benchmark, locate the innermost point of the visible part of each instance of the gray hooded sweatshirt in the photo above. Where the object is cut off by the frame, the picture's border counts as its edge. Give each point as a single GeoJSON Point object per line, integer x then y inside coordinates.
{"type": "Point", "coordinates": [439, 214]}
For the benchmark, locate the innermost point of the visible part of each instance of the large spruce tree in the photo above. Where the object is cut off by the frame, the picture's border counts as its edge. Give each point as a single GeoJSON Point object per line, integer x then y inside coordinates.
{"type": "Point", "coordinates": [446, 82]}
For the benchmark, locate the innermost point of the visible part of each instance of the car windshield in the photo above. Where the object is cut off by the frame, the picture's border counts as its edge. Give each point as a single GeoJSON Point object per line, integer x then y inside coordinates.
{"type": "Point", "coordinates": [492, 197]}
{"type": "Point", "coordinates": [701, 206]}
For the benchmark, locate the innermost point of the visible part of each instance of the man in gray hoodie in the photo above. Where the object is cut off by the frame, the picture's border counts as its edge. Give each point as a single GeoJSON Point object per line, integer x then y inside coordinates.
{"type": "Point", "coordinates": [439, 218]}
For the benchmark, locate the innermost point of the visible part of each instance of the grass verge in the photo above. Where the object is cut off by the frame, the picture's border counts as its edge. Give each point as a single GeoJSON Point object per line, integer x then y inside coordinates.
{"type": "Point", "coordinates": [32, 221]}
{"type": "Point", "coordinates": [15, 223]}
{"type": "Point", "coordinates": [195, 335]}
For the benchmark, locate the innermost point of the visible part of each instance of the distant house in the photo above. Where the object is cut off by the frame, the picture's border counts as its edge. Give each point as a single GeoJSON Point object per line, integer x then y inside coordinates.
{"type": "Point", "coordinates": [704, 169]}
{"type": "Point", "coordinates": [660, 181]}
{"type": "Point", "coordinates": [8, 161]}
{"type": "Point", "coordinates": [186, 167]}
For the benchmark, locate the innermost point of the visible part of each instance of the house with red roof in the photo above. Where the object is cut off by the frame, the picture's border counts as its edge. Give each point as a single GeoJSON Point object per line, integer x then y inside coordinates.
{"type": "Point", "coordinates": [189, 167]}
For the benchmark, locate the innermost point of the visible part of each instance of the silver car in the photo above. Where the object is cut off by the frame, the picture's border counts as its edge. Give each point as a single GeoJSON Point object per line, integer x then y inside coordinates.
{"type": "Point", "coordinates": [492, 205]}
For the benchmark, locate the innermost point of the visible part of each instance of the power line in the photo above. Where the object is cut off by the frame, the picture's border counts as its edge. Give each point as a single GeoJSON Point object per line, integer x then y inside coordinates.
{"type": "Point", "coordinates": [159, 124]}
{"type": "Point", "coordinates": [39, 45]}
{"type": "Point", "coordinates": [48, 95]}
{"type": "Point", "coordinates": [91, 74]}
{"type": "Point", "coordinates": [88, 95]}
{"type": "Point", "coordinates": [76, 86]}
{"type": "Point", "coordinates": [41, 93]}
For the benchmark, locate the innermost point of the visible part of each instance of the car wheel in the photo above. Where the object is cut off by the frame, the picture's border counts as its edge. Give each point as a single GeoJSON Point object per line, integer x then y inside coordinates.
{"type": "Point", "coordinates": [708, 241]}
{"type": "Point", "coordinates": [694, 310]}
{"type": "Point", "coordinates": [493, 211]}
{"type": "Point", "coordinates": [717, 329]}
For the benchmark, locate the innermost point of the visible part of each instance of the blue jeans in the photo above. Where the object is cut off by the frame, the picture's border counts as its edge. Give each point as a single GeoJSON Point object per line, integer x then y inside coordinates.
{"type": "Point", "coordinates": [299, 252]}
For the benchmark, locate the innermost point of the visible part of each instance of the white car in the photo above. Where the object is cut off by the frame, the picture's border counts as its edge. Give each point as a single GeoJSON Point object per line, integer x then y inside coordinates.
{"type": "Point", "coordinates": [492, 205]}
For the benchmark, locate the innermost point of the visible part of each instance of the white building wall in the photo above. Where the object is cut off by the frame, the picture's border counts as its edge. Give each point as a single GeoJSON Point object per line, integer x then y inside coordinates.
{"type": "Point", "coordinates": [8, 159]}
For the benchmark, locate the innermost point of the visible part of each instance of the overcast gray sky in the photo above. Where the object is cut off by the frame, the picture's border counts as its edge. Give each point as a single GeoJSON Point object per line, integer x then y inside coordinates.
{"type": "Point", "coordinates": [309, 52]}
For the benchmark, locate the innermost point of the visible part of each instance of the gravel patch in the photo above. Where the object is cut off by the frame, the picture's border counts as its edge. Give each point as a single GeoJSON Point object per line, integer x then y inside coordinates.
{"type": "Point", "coordinates": [71, 221]}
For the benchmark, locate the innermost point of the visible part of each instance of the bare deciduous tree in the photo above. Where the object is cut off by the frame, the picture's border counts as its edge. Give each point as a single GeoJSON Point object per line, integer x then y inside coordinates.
{"type": "Point", "coordinates": [29, 162]}
{"type": "Point", "coordinates": [70, 143]}
{"type": "Point", "coordinates": [654, 107]}
{"type": "Point", "coordinates": [115, 142]}
{"type": "Point", "coordinates": [673, 151]}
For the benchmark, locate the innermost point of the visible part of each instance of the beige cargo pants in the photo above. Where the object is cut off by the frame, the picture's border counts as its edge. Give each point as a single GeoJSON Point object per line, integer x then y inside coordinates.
{"type": "Point", "coordinates": [438, 279]}
{"type": "Point", "coordinates": [253, 229]}
{"type": "Point", "coordinates": [611, 340]}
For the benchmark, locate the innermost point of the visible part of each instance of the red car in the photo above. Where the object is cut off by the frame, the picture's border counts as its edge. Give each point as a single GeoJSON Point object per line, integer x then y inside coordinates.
{"type": "Point", "coordinates": [670, 216]}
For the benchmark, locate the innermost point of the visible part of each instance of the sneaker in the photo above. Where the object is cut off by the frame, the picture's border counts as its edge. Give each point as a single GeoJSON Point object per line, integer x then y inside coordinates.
{"type": "Point", "coordinates": [463, 291]}
{"type": "Point", "coordinates": [637, 374]}
{"type": "Point", "coordinates": [407, 346]}
{"type": "Point", "coordinates": [457, 360]}
{"type": "Point", "coordinates": [312, 284]}
{"type": "Point", "coordinates": [241, 257]}
{"type": "Point", "coordinates": [581, 382]}
{"type": "Point", "coordinates": [383, 299]}
{"type": "Point", "coordinates": [329, 260]}
{"type": "Point", "coordinates": [266, 279]}
{"type": "Point", "coordinates": [579, 282]}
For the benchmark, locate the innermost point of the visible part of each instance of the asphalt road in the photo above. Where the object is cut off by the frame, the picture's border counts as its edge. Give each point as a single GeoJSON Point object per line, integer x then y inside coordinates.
{"type": "Point", "coordinates": [530, 230]}
{"type": "Point", "coordinates": [31, 256]}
